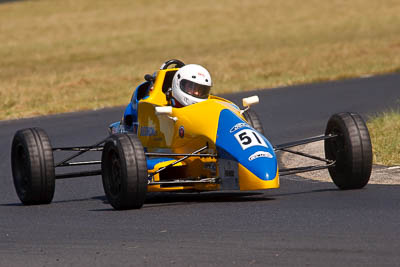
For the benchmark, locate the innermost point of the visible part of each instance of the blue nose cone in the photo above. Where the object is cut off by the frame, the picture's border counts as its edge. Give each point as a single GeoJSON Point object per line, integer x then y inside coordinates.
{"type": "Point", "coordinates": [237, 140]}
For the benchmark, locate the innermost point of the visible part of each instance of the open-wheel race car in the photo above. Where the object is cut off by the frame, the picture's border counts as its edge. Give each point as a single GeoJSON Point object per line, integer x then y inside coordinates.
{"type": "Point", "coordinates": [208, 146]}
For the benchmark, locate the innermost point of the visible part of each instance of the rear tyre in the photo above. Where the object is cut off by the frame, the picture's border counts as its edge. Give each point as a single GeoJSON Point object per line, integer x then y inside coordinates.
{"type": "Point", "coordinates": [254, 121]}
{"type": "Point", "coordinates": [124, 171]}
{"type": "Point", "coordinates": [351, 149]}
{"type": "Point", "coordinates": [32, 166]}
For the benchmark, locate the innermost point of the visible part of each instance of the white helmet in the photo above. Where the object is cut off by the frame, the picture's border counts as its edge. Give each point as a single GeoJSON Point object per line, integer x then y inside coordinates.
{"type": "Point", "coordinates": [191, 84]}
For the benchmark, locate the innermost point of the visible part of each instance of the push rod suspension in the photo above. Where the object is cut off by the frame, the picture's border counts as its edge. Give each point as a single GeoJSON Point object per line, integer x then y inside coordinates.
{"type": "Point", "coordinates": [80, 163]}
{"type": "Point", "coordinates": [182, 181]}
{"type": "Point", "coordinates": [177, 161]}
{"type": "Point", "coordinates": [306, 155]}
{"type": "Point", "coordinates": [304, 141]}
{"type": "Point", "coordinates": [78, 174]}
{"type": "Point", "coordinates": [80, 153]}
{"type": "Point", "coordinates": [283, 172]}
{"type": "Point", "coordinates": [81, 148]}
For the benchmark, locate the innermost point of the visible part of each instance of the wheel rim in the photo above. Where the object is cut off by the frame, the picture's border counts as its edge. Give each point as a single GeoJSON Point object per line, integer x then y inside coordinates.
{"type": "Point", "coordinates": [336, 147]}
{"type": "Point", "coordinates": [115, 175]}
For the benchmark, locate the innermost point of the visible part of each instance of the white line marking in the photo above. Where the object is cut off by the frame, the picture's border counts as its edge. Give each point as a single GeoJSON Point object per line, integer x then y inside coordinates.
{"type": "Point", "coordinates": [394, 168]}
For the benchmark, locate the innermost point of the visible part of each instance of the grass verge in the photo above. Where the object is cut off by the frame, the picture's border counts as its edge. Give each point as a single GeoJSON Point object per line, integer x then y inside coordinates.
{"type": "Point", "coordinates": [59, 56]}
{"type": "Point", "coordinates": [385, 136]}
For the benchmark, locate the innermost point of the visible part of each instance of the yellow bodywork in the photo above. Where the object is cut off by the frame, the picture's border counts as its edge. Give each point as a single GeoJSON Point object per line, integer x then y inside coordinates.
{"type": "Point", "coordinates": [160, 133]}
{"type": "Point", "coordinates": [248, 181]}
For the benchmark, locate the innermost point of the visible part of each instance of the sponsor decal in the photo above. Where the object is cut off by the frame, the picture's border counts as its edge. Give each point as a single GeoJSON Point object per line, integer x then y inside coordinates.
{"type": "Point", "coordinates": [147, 131]}
{"type": "Point", "coordinates": [260, 154]}
{"type": "Point", "coordinates": [181, 131]}
{"type": "Point", "coordinates": [238, 126]}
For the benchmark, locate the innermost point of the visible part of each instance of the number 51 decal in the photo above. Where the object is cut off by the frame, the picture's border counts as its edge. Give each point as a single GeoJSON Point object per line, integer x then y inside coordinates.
{"type": "Point", "coordinates": [248, 138]}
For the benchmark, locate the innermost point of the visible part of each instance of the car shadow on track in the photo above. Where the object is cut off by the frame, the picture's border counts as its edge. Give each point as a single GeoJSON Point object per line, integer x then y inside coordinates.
{"type": "Point", "coordinates": [173, 199]}
{"type": "Point", "coordinates": [305, 192]}
{"type": "Point", "coordinates": [159, 199]}
{"type": "Point", "coordinates": [19, 204]}
{"type": "Point", "coordinates": [154, 200]}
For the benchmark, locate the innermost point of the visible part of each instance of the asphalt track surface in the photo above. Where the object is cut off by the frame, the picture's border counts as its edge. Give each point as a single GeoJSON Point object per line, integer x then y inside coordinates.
{"type": "Point", "coordinates": [302, 223]}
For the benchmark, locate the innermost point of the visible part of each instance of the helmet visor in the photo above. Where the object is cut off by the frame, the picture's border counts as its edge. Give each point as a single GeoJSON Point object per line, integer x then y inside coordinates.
{"type": "Point", "coordinates": [195, 89]}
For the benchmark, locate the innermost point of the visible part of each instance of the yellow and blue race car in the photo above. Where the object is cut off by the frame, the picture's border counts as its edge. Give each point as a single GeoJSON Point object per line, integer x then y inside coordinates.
{"type": "Point", "coordinates": [208, 146]}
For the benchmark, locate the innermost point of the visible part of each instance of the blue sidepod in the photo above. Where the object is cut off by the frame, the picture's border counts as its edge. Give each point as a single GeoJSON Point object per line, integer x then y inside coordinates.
{"type": "Point", "coordinates": [237, 140]}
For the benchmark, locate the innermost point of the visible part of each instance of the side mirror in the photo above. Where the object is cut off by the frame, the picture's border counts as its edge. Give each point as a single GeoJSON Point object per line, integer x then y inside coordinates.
{"type": "Point", "coordinates": [248, 101]}
{"type": "Point", "coordinates": [167, 110]}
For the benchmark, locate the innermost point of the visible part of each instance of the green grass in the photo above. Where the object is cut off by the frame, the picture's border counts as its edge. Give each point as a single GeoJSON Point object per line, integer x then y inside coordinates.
{"type": "Point", "coordinates": [59, 56]}
{"type": "Point", "coordinates": [385, 136]}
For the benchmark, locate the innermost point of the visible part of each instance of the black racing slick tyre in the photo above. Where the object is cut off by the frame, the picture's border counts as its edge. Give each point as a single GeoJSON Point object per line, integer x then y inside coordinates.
{"type": "Point", "coordinates": [254, 121]}
{"type": "Point", "coordinates": [32, 166]}
{"type": "Point", "coordinates": [351, 149]}
{"type": "Point", "coordinates": [124, 171]}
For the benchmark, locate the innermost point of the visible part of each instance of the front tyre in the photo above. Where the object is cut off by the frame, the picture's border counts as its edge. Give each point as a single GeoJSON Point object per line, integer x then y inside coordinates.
{"type": "Point", "coordinates": [124, 171]}
{"type": "Point", "coordinates": [32, 166]}
{"type": "Point", "coordinates": [351, 149]}
{"type": "Point", "coordinates": [253, 120]}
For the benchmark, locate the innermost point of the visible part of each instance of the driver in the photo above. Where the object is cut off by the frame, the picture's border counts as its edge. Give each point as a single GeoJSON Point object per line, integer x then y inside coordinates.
{"type": "Point", "coordinates": [191, 84]}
